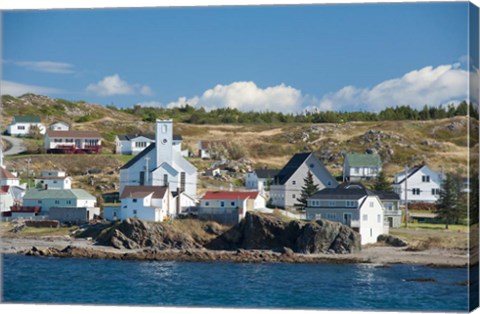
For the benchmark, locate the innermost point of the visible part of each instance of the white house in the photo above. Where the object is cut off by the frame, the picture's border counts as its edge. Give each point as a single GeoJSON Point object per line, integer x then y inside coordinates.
{"type": "Point", "coordinates": [361, 166]}
{"type": "Point", "coordinates": [161, 164]}
{"type": "Point", "coordinates": [422, 184]}
{"type": "Point", "coordinates": [54, 180]}
{"type": "Point", "coordinates": [46, 199]}
{"type": "Point", "coordinates": [6, 198]}
{"type": "Point", "coordinates": [150, 203]}
{"type": "Point", "coordinates": [59, 126]}
{"type": "Point", "coordinates": [287, 184]}
{"type": "Point", "coordinates": [357, 208]}
{"type": "Point", "coordinates": [72, 139]}
{"type": "Point", "coordinates": [133, 144]}
{"type": "Point", "coordinates": [182, 203]}
{"type": "Point", "coordinates": [8, 178]}
{"type": "Point", "coordinates": [229, 207]}
{"type": "Point", "coordinates": [260, 179]}
{"type": "Point", "coordinates": [21, 125]}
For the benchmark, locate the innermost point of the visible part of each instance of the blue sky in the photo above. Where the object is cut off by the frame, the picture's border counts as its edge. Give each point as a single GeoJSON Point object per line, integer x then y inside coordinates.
{"type": "Point", "coordinates": [285, 58]}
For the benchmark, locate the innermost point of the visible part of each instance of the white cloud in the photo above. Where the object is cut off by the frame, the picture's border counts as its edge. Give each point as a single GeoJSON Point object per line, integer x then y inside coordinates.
{"type": "Point", "coordinates": [432, 86]}
{"type": "Point", "coordinates": [18, 89]}
{"type": "Point", "coordinates": [45, 66]}
{"type": "Point", "coordinates": [114, 85]}
{"type": "Point", "coordinates": [246, 96]}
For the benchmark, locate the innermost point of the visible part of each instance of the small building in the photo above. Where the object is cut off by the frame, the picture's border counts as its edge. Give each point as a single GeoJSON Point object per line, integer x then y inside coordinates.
{"type": "Point", "coordinates": [6, 198]}
{"type": "Point", "coordinates": [422, 183]}
{"type": "Point", "coordinates": [357, 208]}
{"type": "Point", "coordinates": [287, 184]}
{"type": "Point", "coordinates": [205, 148]}
{"type": "Point", "coordinates": [21, 125]}
{"type": "Point", "coordinates": [150, 203]}
{"type": "Point", "coordinates": [182, 203]}
{"type": "Point", "coordinates": [361, 166]}
{"type": "Point", "coordinates": [73, 141]}
{"type": "Point", "coordinates": [59, 126]}
{"type": "Point", "coordinates": [8, 178]}
{"type": "Point", "coordinates": [53, 180]}
{"type": "Point", "coordinates": [229, 207]}
{"type": "Point", "coordinates": [260, 179]}
{"type": "Point", "coordinates": [74, 215]}
{"type": "Point", "coordinates": [46, 199]}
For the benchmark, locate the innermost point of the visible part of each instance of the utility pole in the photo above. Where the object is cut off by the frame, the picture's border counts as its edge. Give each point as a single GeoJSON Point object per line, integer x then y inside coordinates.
{"type": "Point", "coordinates": [147, 159]}
{"type": "Point", "coordinates": [406, 197]}
{"type": "Point", "coordinates": [28, 173]}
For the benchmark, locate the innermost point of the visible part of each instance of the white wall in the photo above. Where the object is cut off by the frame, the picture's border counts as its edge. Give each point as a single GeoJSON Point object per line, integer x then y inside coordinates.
{"type": "Point", "coordinates": [22, 129]}
{"type": "Point", "coordinates": [371, 220]}
{"type": "Point", "coordinates": [147, 209]}
{"type": "Point", "coordinates": [416, 182]}
{"type": "Point", "coordinates": [55, 184]}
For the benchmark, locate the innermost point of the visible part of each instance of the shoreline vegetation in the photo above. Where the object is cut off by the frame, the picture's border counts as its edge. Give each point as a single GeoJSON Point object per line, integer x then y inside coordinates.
{"type": "Point", "coordinates": [210, 242]}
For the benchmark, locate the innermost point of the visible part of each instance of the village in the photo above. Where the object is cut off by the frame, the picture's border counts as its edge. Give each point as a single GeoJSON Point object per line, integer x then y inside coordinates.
{"type": "Point", "coordinates": [160, 184]}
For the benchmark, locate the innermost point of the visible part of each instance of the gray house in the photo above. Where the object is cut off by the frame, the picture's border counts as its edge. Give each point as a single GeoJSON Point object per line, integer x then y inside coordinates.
{"type": "Point", "coordinates": [287, 184]}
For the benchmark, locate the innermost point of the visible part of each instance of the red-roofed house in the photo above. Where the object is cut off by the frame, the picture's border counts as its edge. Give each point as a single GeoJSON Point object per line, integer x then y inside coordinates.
{"type": "Point", "coordinates": [89, 141]}
{"type": "Point", "coordinates": [8, 178]}
{"type": "Point", "coordinates": [229, 207]}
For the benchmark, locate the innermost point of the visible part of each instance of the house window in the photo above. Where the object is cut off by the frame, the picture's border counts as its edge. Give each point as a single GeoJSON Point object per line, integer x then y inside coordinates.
{"type": "Point", "coordinates": [135, 212]}
{"type": "Point", "coordinates": [232, 203]}
{"type": "Point", "coordinates": [134, 200]}
{"type": "Point", "coordinates": [182, 181]}
{"type": "Point", "coordinates": [207, 203]}
{"type": "Point", "coordinates": [293, 195]}
{"type": "Point", "coordinates": [425, 178]}
{"type": "Point", "coordinates": [57, 140]}
{"type": "Point", "coordinates": [365, 217]}
{"type": "Point", "coordinates": [222, 204]}
{"type": "Point", "coordinates": [57, 202]}
{"type": "Point", "coordinates": [351, 204]}
{"type": "Point", "coordinates": [318, 216]}
{"type": "Point", "coordinates": [69, 202]}
{"type": "Point", "coordinates": [379, 218]}
{"type": "Point", "coordinates": [435, 191]}
{"type": "Point", "coordinates": [21, 127]}
{"type": "Point", "coordinates": [294, 182]}
{"type": "Point", "coordinates": [164, 128]}
{"type": "Point", "coordinates": [141, 179]}
{"type": "Point", "coordinates": [371, 204]}
{"type": "Point", "coordinates": [165, 179]}
{"type": "Point", "coordinates": [312, 165]}
{"type": "Point", "coordinates": [39, 201]}
{"type": "Point", "coordinates": [331, 216]}
{"type": "Point", "coordinates": [416, 191]}
{"type": "Point", "coordinates": [329, 183]}
{"type": "Point", "coordinates": [331, 203]}
{"type": "Point", "coordinates": [69, 140]}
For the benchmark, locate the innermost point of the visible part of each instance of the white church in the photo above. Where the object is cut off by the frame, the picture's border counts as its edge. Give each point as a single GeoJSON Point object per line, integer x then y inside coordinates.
{"type": "Point", "coordinates": [161, 164]}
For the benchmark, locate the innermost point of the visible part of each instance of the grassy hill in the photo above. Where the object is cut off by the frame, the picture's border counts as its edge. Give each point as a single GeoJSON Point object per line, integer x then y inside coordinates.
{"type": "Point", "coordinates": [440, 143]}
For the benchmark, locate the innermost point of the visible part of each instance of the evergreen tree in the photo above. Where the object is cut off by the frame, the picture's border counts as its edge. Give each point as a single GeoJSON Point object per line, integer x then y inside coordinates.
{"type": "Point", "coordinates": [449, 210]}
{"type": "Point", "coordinates": [382, 183]}
{"type": "Point", "coordinates": [309, 188]}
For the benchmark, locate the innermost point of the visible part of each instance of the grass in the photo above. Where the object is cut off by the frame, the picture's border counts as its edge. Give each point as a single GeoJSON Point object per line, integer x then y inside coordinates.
{"type": "Point", "coordinates": [436, 227]}
{"type": "Point", "coordinates": [5, 228]}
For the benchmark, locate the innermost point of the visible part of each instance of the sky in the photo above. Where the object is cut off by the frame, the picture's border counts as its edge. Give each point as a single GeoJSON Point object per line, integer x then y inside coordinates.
{"type": "Point", "coordinates": [340, 57]}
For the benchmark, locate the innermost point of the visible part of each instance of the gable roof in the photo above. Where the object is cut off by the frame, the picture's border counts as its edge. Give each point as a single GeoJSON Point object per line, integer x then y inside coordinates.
{"type": "Point", "coordinates": [139, 156]}
{"type": "Point", "coordinates": [290, 168]}
{"type": "Point", "coordinates": [410, 173]}
{"type": "Point", "coordinates": [229, 195]}
{"type": "Point", "coordinates": [387, 195]}
{"type": "Point", "coordinates": [59, 194]}
{"type": "Point", "coordinates": [26, 119]}
{"type": "Point", "coordinates": [363, 160]}
{"type": "Point", "coordinates": [60, 122]}
{"type": "Point", "coordinates": [266, 173]}
{"type": "Point", "coordinates": [150, 136]}
{"type": "Point", "coordinates": [5, 174]}
{"type": "Point", "coordinates": [73, 134]}
{"type": "Point", "coordinates": [142, 191]}
{"type": "Point", "coordinates": [341, 194]}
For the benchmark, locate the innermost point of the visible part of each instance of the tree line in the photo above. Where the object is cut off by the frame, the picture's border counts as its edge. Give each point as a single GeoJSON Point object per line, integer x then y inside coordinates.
{"type": "Point", "coordinates": [193, 115]}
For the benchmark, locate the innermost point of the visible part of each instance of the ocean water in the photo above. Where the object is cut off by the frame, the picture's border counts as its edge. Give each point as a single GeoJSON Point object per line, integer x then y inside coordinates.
{"type": "Point", "coordinates": [221, 284]}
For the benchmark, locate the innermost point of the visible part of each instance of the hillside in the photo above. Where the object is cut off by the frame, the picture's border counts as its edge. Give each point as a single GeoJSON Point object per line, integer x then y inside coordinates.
{"type": "Point", "coordinates": [440, 143]}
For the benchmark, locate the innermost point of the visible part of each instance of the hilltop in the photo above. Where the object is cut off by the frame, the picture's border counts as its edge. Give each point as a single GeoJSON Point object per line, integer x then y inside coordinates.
{"type": "Point", "coordinates": [440, 143]}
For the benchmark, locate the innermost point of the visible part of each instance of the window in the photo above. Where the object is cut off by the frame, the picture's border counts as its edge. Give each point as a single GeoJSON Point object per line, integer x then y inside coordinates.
{"type": "Point", "coordinates": [69, 202]}
{"type": "Point", "coordinates": [164, 128]}
{"type": "Point", "coordinates": [140, 144]}
{"type": "Point", "coordinates": [69, 140]}
{"type": "Point", "coordinates": [182, 181]}
{"type": "Point", "coordinates": [207, 203]}
{"type": "Point", "coordinates": [293, 182]}
{"type": "Point", "coordinates": [416, 191]}
{"type": "Point", "coordinates": [134, 211]}
{"type": "Point", "coordinates": [329, 183]}
{"type": "Point", "coordinates": [371, 204]}
{"type": "Point", "coordinates": [165, 180]}
{"type": "Point", "coordinates": [57, 202]}
{"type": "Point", "coordinates": [365, 217]}
{"type": "Point", "coordinates": [425, 178]}
{"type": "Point", "coordinates": [57, 140]}
{"type": "Point", "coordinates": [141, 179]}
{"type": "Point", "coordinates": [134, 200]}
{"type": "Point", "coordinates": [331, 203]}
{"type": "Point", "coordinates": [435, 191]}
{"type": "Point", "coordinates": [318, 216]}
{"type": "Point", "coordinates": [54, 181]}
{"type": "Point", "coordinates": [331, 216]}
{"type": "Point", "coordinates": [39, 201]}
{"type": "Point", "coordinates": [379, 218]}
{"type": "Point", "coordinates": [222, 204]}
{"type": "Point", "coordinates": [351, 204]}
{"type": "Point", "coordinates": [21, 127]}
{"type": "Point", "coordinates": [293, 195]}
{"type": "Point", "coordinates": [312, 165]}
{"type": "Point", "coordinates": [232, 203]}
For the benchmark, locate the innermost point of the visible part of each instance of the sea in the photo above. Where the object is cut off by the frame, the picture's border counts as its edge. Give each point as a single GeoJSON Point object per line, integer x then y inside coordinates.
{"type": "Point", "coordinates": [48, 280]}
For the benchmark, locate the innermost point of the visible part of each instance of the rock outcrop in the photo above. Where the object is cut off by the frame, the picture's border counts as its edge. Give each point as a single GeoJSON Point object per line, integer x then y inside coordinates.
{"type": "Point", "coordinates": [267, 232]}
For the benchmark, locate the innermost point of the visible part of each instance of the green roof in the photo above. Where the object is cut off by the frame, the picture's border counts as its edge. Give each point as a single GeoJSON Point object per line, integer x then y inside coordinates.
{"type": "Point", "coordinates": [363, 160]}
{"type": "Point", "coordinates": [59, 194]}
{"type": "Point", "coordinates": [27, 119]}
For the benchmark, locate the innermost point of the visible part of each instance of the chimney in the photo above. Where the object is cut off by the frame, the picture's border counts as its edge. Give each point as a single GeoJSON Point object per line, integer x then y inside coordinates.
{"type": "Point", "coordinates": [163, 141]}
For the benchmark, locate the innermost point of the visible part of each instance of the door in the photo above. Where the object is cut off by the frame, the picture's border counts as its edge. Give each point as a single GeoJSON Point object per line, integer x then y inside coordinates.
{"type": "Point", "coordinates": [78, 143]}
{"type": "Point", "coordinates": [347, 219]}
